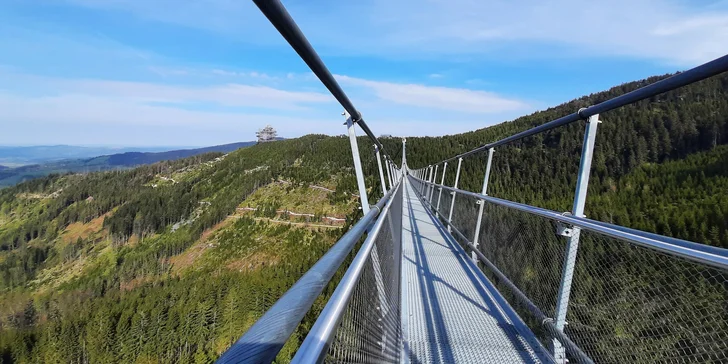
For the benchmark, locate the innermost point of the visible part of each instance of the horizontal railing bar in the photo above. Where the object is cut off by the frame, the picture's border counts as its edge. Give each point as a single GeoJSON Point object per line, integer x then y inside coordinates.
{"type": "Point", "coordinates": [693, 75]}
{"type": "Point", "coordinates": [317, 342]}
{"type": "Point", "coordinates": [713, 256]}
{"type": "Point", "coordinates": [262, 342]}
{"type": "Point", "coordinates": [684, 243]}
{"type": "Point", "coordinates": [281, 19]}
{"type": "Point", "coordinates": [546, 321]}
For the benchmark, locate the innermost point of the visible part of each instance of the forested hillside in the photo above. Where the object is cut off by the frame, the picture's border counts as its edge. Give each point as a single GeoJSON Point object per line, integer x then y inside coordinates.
{"type": "Point", "coordinates": [631, 144]}
{"type": "Point", "coordinates": [159, 264]}
{"type": "Point", "coordinates": [155, 262]}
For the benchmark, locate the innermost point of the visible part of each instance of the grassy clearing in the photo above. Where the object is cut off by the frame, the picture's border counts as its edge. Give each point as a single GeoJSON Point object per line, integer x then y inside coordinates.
{"type": "Point", "coordinates": [301, 199]}
{"type": "Point", "coordinates": [79, 230]}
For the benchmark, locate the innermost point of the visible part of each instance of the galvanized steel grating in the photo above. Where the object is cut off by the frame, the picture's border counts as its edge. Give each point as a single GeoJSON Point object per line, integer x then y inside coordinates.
{"type": "Point", "coordinates": [450, 312]}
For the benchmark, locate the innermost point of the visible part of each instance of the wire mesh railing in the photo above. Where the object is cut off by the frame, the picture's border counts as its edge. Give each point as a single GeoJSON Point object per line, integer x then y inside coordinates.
{"type": "Point", "coordinates": [361, 321]}
{"type": "Point", "coordinates": [262, 342]}
{"type": "Point", "coordinates": [629, 302]}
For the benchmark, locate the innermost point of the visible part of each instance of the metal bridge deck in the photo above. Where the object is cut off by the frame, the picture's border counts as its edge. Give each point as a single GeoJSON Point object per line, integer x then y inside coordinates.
{"type": "Point", "coordinates": [451, 313]}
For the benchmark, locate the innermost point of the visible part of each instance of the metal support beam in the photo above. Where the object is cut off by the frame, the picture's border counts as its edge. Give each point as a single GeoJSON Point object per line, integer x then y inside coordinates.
{"type": "Point", "coordinates": [452, 203]}
{"type": "Point", "coordinates": [357, 164]}
{"type": "Point", "coordinates": [428, 175]}
{"type": "Point", "coordinates": [567, 274]}
{"type": "Point", "coordinates": [404, 152]}
{"type": "Point", "coordinates": [484, 192]}
{"type": "Point", "coordinates": [389, 171]}
{"type": "Point", "coordinates": [427, 189]}
{"type": "Point", "coordinates": [442, 181]}
{"type": "Point", "coordinates": [381, 173]}
{"type": "Point", "coordinates": [432, 186]}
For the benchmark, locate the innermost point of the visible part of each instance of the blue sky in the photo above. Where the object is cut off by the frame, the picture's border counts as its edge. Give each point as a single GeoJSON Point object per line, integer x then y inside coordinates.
{"type": "Point", "coordinates": [203, 72]}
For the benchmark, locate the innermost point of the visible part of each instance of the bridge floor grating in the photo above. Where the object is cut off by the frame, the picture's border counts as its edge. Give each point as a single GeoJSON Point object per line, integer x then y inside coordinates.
{"type": "Point", "coordinates": [451, 313]}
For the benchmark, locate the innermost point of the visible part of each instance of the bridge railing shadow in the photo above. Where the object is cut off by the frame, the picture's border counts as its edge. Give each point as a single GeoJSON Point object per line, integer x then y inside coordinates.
{"type": "Point", "coordinates": [495, 306]}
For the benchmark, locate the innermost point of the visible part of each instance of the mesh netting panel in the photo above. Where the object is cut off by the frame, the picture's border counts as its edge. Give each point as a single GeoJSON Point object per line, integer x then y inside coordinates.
{"type": "Point", "coordinates": [632, 304]}
{"type": "Point", "coordinates": [524, 247]}
{"type": "Point", "coordinates": [527, 250]}
{"type": "Point", "coordinates": [445, 203]}
{"type": "Point", "coordinates": [369, 331]}
{"type": "Point", "coordinates": [465, 215]}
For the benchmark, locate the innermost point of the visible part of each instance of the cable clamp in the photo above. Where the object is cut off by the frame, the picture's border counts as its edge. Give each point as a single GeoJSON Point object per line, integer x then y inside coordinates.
{"type": "Point", "coordinates": [564, 229]}
{"type": "Point", "coordinates": [580, 113]}
{"type": "Point", "coordinates": [379, 211]}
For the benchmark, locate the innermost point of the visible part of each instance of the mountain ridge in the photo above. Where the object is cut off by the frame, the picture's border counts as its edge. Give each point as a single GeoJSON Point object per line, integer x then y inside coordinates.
{"type": "Point", "coordinates": [11, 176]}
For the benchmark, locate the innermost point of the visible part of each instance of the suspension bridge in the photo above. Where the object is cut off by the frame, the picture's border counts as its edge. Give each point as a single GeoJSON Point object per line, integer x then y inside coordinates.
{"type": "Point", "coordinates": [446, 275]}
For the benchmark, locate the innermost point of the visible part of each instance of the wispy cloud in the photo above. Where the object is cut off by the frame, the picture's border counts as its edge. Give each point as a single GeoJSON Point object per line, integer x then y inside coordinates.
{"type": "Point", "coordinates": [232, 94]}
{"type": "Point", "coordinates": [443, 98]}
{"type": "Point", "coordinates": [90, 119]}
{"type": "Point", "coordinates": [123, 112]}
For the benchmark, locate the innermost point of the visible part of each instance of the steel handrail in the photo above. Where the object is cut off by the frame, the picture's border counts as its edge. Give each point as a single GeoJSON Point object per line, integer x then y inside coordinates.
{"type": "Point", "coordinates": [279, 17]}
{"type": "Point", "coordinates": [699, 73]}
{"type": "Point", "coordinates": [709, 255]}
{"type": "Point", "coordinates": [262, 342]}
{"type": "Point", "coordinates": [319, 338]}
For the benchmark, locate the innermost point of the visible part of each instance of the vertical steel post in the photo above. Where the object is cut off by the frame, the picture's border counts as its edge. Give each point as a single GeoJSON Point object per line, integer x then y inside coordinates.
{"type": "Point", "coordinates": [389, 171]}
{"type": "Point", "coordinates": [423, 175]}
{"type": "Point", "coordinates": [432, 186]}
{"type": "Point", "coordinates": [404, 153]}
{"type": "Point", "coordinates": [442, 183]}
{"type": "Point", "coordinates": [381, 173]}
{"type": "Point", "coordinates": [452, 203]}
{"type": "Point", "coordinates": [482, 204]}
{"type": "Point", "coordinates": [567, 274]}
{"type": "Point", "coordinates": [428, 175]}
{"type": "Point", "coordinates": [427, 190]}
{"type": "Point", "coordinates": [357, 164]}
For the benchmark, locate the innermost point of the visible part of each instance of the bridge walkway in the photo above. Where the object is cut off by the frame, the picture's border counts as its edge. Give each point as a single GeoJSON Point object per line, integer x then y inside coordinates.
{"type": "Point", "coordinates": [452, 313]}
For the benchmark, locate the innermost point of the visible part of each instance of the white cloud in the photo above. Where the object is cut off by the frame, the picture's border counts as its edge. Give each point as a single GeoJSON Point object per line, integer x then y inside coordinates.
{"type": "Point", "coordinates": [89, 119]}
{"type": "Point", "coordinates": [168, 72]}
{"type": "Point", "coordinates": [435, 75]}
{"type": "Point", "coordinates": [117, 112]}
{"type": "Point", "coordinates": [225, 73]}
{"type": "Point", "coordinates": [444, 98]}
{"type": "Point", "coordinates": [233, 94]}
{"type": "Point", "coordinates": [38, 109]}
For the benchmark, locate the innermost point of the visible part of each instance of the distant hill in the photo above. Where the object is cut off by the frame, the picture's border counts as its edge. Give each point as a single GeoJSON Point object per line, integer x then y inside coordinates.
{"type": "Point", "coordinates": [17, 156]}
{"type": "Point", "coordinates": [131, 159]}
{"type": "Point", "coordinates": [12, 176]}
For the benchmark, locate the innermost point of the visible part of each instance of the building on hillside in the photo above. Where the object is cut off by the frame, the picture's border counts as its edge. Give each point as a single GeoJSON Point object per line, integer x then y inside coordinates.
{"type": "Point", "coordinates": [267, 134]}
